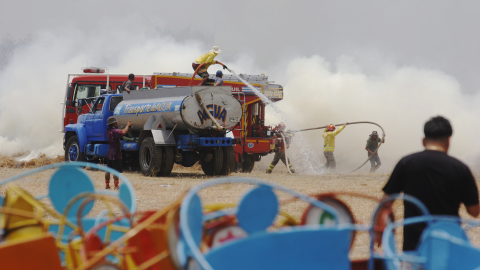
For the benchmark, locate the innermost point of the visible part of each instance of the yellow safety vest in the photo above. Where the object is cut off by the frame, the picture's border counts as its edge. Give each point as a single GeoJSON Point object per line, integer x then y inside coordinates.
{"type": "Point", "coordinates": [329, 139]}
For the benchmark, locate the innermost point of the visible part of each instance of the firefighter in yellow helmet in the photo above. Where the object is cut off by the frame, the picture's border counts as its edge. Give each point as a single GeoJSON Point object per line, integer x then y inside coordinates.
{"type": "Point", "coordinates": [329, 144]}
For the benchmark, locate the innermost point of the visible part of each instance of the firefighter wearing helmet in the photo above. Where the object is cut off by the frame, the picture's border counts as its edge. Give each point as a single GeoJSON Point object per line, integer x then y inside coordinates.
{"type": "Point", "coordinates": [372, 147]}
{"type": "Point", "coordinates": [329, 145]}
{"type": "Point", "coordinates": [280, 148]}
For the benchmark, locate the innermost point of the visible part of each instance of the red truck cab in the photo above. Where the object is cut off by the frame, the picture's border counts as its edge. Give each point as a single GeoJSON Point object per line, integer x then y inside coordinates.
{"type": "Point", "coordinates": [89, 85]}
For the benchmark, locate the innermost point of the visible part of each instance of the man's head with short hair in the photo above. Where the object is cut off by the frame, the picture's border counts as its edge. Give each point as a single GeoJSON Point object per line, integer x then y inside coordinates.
{"type": "Point", "coordinates": [131, 76]}
{"type": "Point", "coordinates": [437, 128]}
{"type": "Point", "coordinates": [437, 132]}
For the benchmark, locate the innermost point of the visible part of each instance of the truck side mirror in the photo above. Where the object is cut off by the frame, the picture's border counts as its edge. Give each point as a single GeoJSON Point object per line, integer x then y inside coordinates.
{"type": "Point", "coordinates": [79, 106]}
{"type": "Point", "coordinates": [68, 103]}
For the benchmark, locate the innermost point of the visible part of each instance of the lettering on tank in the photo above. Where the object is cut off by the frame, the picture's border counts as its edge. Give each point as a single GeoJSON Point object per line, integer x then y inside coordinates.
{"type": "Point", "coordinates": [148, 108]}
{"type": "Point", "coordinates": [218, 113]}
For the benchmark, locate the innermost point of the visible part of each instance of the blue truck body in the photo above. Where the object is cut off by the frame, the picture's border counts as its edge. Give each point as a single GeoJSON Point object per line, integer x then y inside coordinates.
{"type": "Point", "coordinates": [87, 139]}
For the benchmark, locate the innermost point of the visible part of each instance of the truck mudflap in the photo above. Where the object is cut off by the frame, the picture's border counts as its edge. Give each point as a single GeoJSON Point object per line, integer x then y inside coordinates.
{"type": "Point", "coordinates": [163, 137]}
{"type": "Point", "coordinates": [186, 142]}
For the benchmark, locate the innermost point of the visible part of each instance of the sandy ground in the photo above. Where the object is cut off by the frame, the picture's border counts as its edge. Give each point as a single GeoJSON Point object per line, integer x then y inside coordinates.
{"type": "Point", "coordinates": [155, 192]}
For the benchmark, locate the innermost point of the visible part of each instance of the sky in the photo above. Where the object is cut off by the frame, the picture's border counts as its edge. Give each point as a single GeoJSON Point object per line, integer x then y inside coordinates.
{"type": "Point", "coordinates": [431, 34]}
{"type": "Point", "coordinates": [392, 62]}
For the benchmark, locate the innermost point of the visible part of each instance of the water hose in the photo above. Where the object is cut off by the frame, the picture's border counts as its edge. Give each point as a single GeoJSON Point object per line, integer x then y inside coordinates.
{"type": "Point", "coordinates": [267, 102]}
{"type": "Point", "coordinates": [353, 123]}
{"type": "Point", "coordinates": [195, 73]}
{"type": "Point", "coordinates": [198, 68]}
{"type": "Point", "coordinates": [286, 157]}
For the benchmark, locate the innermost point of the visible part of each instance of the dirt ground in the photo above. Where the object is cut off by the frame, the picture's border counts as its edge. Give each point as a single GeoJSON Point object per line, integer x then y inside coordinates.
{"type": "Point", "coordinates": [156, 192]}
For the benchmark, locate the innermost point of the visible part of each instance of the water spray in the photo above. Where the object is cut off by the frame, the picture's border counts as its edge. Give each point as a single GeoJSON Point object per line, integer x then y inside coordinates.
{"type": "Point", "coordinates": [350, 123]}
{"type": "Point", "coordinates": [265, 99]}
{"type": "Point", "coordinates": [304, 144]}
{"type": "Point", "coordinates": [286, 157]}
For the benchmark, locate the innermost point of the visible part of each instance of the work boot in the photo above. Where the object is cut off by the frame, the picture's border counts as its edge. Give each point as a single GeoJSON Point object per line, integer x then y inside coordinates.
{"type": "Point", "coordinates": [270, 168]}
{"type": "Point", "coordinates": [375, 168]}
{"type": "Point", "coordinates": [290, 167]}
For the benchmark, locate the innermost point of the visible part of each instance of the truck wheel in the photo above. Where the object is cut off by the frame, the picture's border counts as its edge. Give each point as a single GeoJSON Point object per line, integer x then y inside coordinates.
{"type": "Point", "coordinates": [72, 150]}
{"type": "Point", "coordinates": [168, 160]}
{"type": "Point", "coordinates": [150, 158]}
{"type": "Point", "coordinates": [229, 161]}
{"type": "Point", "coordinates": [248, 163]}
{"type": "Point", "coordinates": [214, 166]}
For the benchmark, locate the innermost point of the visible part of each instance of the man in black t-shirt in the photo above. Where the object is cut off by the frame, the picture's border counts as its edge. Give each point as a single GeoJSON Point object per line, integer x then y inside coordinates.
{"type": "Point", "coordinates": [438, 180]}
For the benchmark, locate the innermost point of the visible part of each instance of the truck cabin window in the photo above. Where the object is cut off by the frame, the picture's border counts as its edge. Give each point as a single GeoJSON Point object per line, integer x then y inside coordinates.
{"type": "Point", "coordinates": [97, 108]}
{"type": "Point", "coordinates": [88, 91]}
{"type": "Point", "coordinates": [114, 102]}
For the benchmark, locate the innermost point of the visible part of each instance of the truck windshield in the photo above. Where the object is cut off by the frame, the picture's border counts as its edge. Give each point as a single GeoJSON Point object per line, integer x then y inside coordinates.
{"type": "Point", "coordinates": [87, 91]}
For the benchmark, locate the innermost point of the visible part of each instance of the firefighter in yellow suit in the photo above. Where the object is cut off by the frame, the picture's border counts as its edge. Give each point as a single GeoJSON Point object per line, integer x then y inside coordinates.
{"type": "Point", "coordinates": [329, 145]}
{"type": "Point", "coordinates": [207, 60]}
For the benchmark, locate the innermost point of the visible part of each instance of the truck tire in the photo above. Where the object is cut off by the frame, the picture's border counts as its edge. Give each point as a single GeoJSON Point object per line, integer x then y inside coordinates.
{"type": "Point", "coordinates": [248, 163]}
{"type": "Point", "coordinates": [229, 161]}
{"type": "Point", "coordinates": [150, 158]}
{"type": "Point", "coordinates": [168, 160]}
{"type": "Point", "coordinates": [72, 150]}
{"type": "Point", "coordinates": [214, 166]}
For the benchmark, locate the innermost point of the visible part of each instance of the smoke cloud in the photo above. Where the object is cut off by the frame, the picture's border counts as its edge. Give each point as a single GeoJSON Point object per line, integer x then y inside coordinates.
{"type": "Point", "coordinates": [34, 80]}
{"type": "Point", "coordinates": [399, 98]}
{"type": "Point", "coordinates": [317, 92]}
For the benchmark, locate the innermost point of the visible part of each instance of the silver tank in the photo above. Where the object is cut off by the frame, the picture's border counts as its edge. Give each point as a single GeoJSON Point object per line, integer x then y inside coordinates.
{"type": "Point", "coordinates": [179, 107]}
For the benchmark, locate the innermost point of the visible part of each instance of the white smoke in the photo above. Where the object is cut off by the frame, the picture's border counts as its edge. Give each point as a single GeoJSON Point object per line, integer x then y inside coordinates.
{"type": "Point", "coordinates": [400, 98]}
{"type": "Point", "coordinates": [34, 81]}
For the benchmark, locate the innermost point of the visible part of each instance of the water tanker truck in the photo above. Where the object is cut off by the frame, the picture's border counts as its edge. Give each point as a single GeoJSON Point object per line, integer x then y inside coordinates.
{"type": "Point", "coordinates": [253, 139]}
{"type": "Point", "coordinates": [180, 125]}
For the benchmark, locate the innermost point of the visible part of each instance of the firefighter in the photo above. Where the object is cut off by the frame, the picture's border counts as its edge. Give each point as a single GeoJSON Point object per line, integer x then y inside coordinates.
{"type": "Point", "coordinates": [208, 60]}
{"type": "Point", "coordinates": [372, 145]}
{"type": "Point", "coordinates": [280, 149]}
{"type": "Point", "coordinates": [329, 145]}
